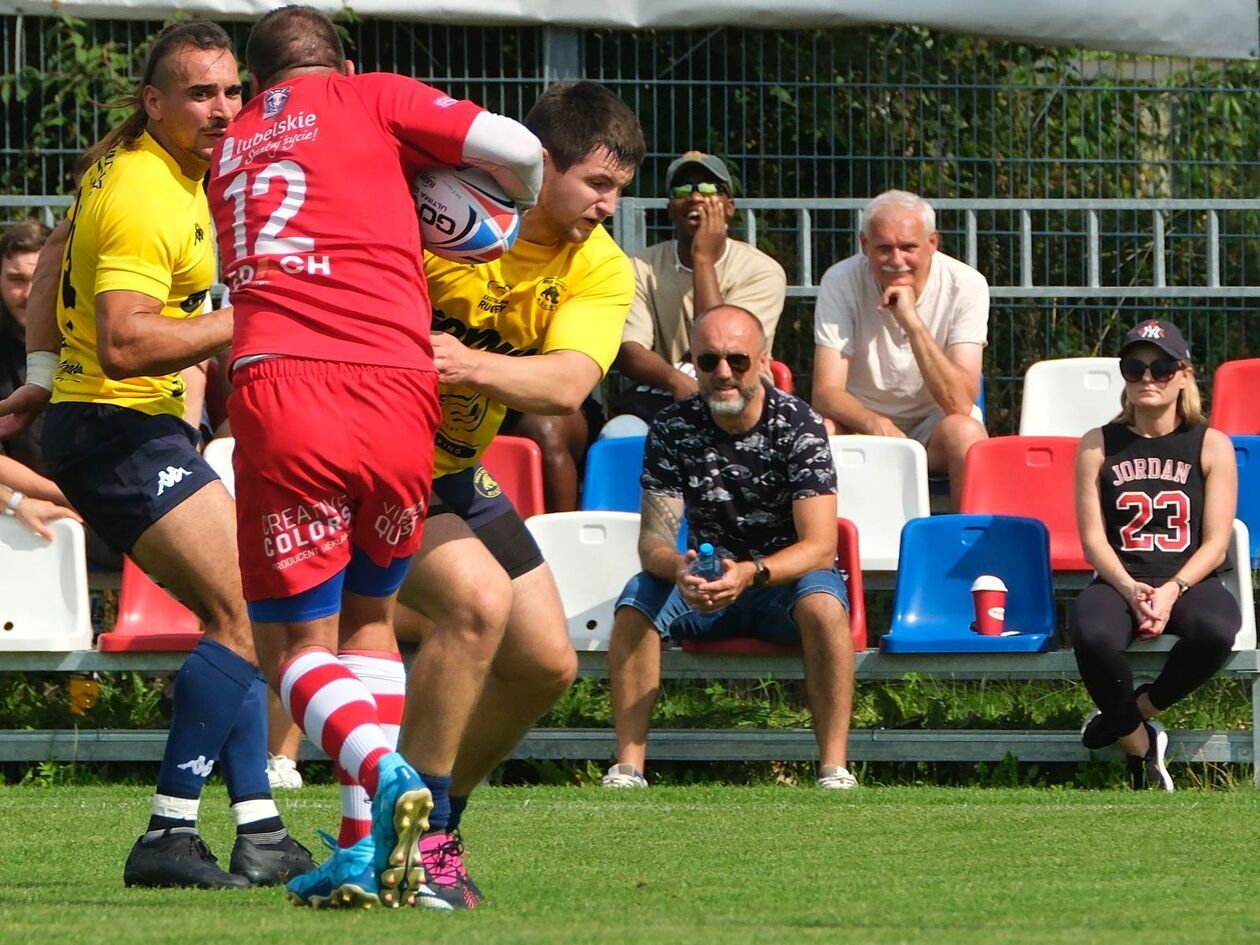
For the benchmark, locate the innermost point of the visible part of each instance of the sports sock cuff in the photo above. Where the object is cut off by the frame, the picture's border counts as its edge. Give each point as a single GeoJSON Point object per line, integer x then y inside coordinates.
{"type": "Point", "coordinates": [440, 787]}
{"type": "Point", "coordinates": [232, 665]}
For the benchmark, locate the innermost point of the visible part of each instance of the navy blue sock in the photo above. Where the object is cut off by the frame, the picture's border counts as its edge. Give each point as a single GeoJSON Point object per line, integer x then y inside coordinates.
{"type": "Point", "coordinates": [440, 788]}
{"type": "Point", "coordinates": [458, 803]}
{"type": "Point", "coordinates": [209, 690]}
{"type": "Point", "coordinates": [243, 764]}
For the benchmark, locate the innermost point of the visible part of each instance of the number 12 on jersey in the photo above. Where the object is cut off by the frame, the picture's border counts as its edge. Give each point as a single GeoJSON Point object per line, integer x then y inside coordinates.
{"type": "Point", "coordinates": [278, 236]}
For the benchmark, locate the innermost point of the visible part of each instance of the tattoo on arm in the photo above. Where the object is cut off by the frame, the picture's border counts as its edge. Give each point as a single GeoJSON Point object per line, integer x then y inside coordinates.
{"type": "Point", "coordinates": [660, 521]}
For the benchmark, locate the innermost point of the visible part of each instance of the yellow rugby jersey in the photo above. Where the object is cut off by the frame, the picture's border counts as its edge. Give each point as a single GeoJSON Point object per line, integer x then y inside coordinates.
{"type": "Point", "coordinates": [534, 299]}
{"type": "Point", "coordinates": [137, 224]}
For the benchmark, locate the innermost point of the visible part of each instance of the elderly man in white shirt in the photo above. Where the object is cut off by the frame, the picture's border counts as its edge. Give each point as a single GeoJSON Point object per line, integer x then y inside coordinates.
{"type": "Point", "coordinates": [899, 333]}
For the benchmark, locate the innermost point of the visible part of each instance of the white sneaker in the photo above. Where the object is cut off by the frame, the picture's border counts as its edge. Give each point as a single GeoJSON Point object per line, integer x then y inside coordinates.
{"type": "Point", "coordinates": [282, 772]}
{"type": "Point", "coordinates": [624, 775]}
{"type": "Point", "coordinates": [836, 778]}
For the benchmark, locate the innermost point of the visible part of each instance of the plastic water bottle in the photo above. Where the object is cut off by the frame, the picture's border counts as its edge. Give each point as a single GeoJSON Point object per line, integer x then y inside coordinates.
{"type": "Point", "coordinates": [707, 564]}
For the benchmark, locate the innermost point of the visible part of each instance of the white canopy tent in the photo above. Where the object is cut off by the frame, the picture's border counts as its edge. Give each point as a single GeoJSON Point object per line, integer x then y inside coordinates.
{"type": "Point", "coordinates": [1227, 29]}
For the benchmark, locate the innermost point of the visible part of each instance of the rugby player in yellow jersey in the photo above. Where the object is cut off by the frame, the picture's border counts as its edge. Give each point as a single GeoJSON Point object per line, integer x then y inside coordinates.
{"type": "Point", "coordinates": [137, 267]}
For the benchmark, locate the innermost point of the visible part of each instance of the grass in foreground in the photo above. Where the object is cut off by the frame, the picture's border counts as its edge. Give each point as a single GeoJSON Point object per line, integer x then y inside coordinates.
{"type": "Point", "coordinates": [695, 865]}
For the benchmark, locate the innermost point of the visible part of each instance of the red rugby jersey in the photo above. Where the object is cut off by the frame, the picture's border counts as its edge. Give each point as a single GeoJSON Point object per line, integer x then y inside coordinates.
{"type": "Point", "coordinates": [318, 239]}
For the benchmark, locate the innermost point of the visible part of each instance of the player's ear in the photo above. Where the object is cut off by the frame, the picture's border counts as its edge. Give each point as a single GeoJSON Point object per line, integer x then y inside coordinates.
{"type": "Point", "coordinates": [348, 68]}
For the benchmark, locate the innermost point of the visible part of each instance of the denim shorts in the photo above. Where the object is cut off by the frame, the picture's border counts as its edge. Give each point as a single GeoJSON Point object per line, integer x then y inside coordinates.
{"type": "Point", "coordinates": [761, 612]}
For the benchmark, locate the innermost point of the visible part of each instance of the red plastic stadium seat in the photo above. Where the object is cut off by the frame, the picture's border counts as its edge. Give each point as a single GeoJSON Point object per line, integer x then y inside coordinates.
{"type": "Point", "coordinates": [516, 463]}
{"type": "Point", "coordinates": [149, 619]}
{"type": "Point", "coordinates": [847, 560]}
{"type": "Point", "coordinates": [782, 375]}
{"type": "Point", "coordinates": [1235, 406]}
{"type": "Point", "coordinates": [1032, 476]}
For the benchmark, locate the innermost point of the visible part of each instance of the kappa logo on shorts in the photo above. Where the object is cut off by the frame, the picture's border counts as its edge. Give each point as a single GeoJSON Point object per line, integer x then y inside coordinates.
{"type": "Point", "coordinates": [171, 476]}
{"type": "Point", "coordinates": [274, 101]}
{"type": "Point", "coordinates": [486, 485]}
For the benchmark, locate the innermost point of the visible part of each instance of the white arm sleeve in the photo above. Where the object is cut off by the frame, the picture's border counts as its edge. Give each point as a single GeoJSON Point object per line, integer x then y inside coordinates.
{"type": "Point", "coordinates": [510, 152]}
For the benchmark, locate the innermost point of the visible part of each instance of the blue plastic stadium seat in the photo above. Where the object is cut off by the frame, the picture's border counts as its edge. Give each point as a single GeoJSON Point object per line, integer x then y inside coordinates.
{"type": "Point", "coordinates": [1247, 451]}
{"type": "Point", "coordinates": [611, 482]}
{"type": "Point", "coordinates": [942, 555]}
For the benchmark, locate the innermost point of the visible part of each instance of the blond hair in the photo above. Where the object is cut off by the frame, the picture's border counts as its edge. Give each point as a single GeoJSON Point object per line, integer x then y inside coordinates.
{"type": "Point", "coordinates": [1189, 402]}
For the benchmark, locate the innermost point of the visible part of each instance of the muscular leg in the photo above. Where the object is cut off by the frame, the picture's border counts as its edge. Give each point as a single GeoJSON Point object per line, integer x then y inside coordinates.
{"type": "Point", "coordinates": [828, 658]}
{"type": "Point", "coordinates": [634, 674]}
{"type": "Point", "coordinates": [457, 584]}
{"type": "Point", "coordinates": [534, 666]}
{"type": "Point", "coordinates": [191, 550]}
{"type": "Point", "coordinates": [947, 451]}
{"type": "Point", "coordinates": [563, 442]}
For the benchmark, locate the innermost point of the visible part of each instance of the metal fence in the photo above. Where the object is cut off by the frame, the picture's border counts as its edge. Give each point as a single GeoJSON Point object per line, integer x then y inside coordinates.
{"type": "Point", "coordinates": [829, 116]}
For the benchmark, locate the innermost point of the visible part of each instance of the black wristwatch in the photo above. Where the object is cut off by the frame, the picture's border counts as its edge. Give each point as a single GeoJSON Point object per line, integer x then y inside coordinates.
{"type": "Point", "coordinates": [762, 577]}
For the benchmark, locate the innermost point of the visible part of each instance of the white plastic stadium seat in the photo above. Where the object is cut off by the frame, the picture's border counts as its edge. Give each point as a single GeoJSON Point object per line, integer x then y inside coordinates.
{"type": "Point", "coordinates": [43, 589]}
{"type": "Point", "coordinates": [882, 483]}
{"type": "Point", "coordinates": [1070, 396]}
{"type": "Point", "coordinates": [1238, 581]}
{"type": "Point", "coordinates": [592, 555]}
{"type": "Point", "coordinates": [219, 455]}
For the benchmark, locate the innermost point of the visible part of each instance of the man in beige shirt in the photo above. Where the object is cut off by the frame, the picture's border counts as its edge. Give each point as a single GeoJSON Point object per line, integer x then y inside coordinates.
{"type": "Point", "coordinates": [899, 333]}
{"type": "Point", "coordinates": [697, 270]}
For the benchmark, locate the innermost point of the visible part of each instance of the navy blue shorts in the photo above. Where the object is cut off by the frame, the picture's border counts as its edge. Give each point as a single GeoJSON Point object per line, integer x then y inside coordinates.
{"type": "Point", "coordinates": [764, 613]}
{"type": "Point", "coordinates": [476, 497]}
{"type": "Point", "coordinates": [121, 469]}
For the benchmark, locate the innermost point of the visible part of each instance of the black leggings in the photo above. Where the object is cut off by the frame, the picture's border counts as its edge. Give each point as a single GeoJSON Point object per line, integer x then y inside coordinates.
{"type": "Point", "coordinates": [1205, 619]}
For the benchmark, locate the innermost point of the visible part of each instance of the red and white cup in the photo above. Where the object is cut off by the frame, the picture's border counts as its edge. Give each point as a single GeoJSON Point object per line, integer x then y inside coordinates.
{"type": "Point", "coordinates": [989, 594]}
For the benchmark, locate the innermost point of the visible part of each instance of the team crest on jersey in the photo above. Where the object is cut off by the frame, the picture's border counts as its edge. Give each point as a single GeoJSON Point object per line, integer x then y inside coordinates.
{"type": "Point", "coordinates": [274, 101]}
{"type": "Point", "coordinates": [551, 292]}
{"type": "Point", "coordinates": [1152, 330]}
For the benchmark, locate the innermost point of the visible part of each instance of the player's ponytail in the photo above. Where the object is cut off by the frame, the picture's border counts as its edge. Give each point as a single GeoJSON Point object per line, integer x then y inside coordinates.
{"type": "Point", "coordinates": [199, 34]}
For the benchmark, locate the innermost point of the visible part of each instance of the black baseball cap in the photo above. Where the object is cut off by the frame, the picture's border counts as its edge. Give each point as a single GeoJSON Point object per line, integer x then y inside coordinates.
{"type": "Point", "coordinates": [1163, 335]}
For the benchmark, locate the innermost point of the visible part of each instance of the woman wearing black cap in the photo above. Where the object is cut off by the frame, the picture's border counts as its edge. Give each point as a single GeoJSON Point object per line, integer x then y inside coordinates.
{"type": "Point", "coordinates": [1156, 494]}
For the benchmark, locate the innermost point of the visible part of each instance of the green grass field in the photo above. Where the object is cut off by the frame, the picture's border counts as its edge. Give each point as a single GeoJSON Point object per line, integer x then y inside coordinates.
{"type": "Point", "coordinates": [696, 865]}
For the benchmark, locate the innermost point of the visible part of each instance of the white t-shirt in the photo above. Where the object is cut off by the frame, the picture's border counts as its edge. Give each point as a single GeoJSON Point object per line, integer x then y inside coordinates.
{"type": "Point", "coordinates": [662, 314]}
{"type": "Point", "coordinates": [883, 373]}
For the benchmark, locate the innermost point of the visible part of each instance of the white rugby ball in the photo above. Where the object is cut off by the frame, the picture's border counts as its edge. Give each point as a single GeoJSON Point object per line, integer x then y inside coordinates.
{"type": "Point", "coordinates": [464, 214]}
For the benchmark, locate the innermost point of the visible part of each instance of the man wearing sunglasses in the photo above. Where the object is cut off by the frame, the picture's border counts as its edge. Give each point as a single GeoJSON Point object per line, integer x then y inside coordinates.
{"type": "Point", "coordinates": [899, 332]}
{"type": "Point", "coordinates": [698, 269]}
{"type": "Point", "coordinates": [750, 468]}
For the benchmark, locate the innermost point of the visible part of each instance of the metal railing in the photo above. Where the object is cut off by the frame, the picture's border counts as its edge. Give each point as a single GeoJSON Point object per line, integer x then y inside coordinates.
{"type": "Point", "coordinates": [631, 230]}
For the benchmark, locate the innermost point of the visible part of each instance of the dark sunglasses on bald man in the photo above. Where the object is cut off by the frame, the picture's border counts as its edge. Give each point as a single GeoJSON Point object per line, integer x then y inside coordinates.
{"type": "Point", "coordinates": [738, 361]}
{"type": "Point", "coordinates": [1162, 369]}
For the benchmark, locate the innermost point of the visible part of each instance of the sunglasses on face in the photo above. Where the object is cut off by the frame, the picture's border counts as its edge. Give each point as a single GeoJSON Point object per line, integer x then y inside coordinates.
{"type": "Point", "coordinates": [704, 189]}
{"type": "Point", "coordinates": [738, 361]}
{"type": "Point", "coordinates": [1162, 369]}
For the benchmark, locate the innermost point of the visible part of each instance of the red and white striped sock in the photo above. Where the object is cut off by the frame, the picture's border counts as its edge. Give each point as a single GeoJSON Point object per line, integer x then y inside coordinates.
{"type": "Point", "coordinates": [385, 677]}
{"type": "Point", "coordinates": [336, 711]}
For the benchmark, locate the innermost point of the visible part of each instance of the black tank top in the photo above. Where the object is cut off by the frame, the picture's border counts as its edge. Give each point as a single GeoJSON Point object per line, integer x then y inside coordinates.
{"type": "Point", "coordinates": [1152, 498]}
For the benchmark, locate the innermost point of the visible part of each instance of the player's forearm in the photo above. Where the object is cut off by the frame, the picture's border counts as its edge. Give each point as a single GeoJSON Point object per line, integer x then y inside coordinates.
{"type": "Point", "coordinates": [659, 558]}
{"type": "Point", "coordinates": [148, 345]}
{"type": "Point", "coordinates": [644, 365]}
{"type": "Point", "coordinates": [21, 477]}
{"type": "Point", "coordinates": [42, 332]}
{"type": "Point", "coordinates": [846, 411]}
{"type": "Point", "coordinates": [539, 384]}
{"type": "Point", "coordinates": [509, 152]}
{"type": "Point", "coordinates": [948, 383]}
{"type": "Point", "coordinates": [704, 281]}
